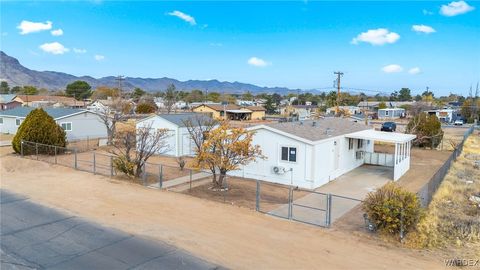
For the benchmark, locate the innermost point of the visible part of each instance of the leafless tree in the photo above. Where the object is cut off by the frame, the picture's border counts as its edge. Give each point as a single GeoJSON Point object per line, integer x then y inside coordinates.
{"type": "Point", "coordinates": [137, 147]}
{"type": "Point", "coordinates": [113, 113]}
{"type": "Point", "coordinates": [170, 97]}
{"type": "Point", "coordinates": [199, 126]}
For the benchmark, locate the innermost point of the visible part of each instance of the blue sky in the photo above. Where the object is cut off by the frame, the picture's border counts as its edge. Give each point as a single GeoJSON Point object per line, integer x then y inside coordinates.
{"type": "Point", "coordinates": [293, 44]}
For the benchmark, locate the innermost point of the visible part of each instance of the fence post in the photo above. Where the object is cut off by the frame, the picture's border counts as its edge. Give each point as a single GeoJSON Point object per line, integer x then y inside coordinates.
{"type": "Point", "coordinates": [257, 197]}
{"type": "Point", "coordinates": [290, 208]}
{"type": "Point", "coordinates": [111, 166]}
{"type": "Point", "coordinates": [190, 179]}
{"type": "Point", "coordinates": [402, 232]}
{"type": "Point", "coordinates": [21, 148]}
{"type": "Point", "coordinates": [328, 214]}
{"type": "Point", "coordinates": [55, 154]}
{"type": "Point", "coordinates": [36, 150]}
{"type": "Point", "coordinates": [94, 164]}
{"type": "Point", "coordinates": [160, 180]}
{"type": "Point", "coordinates": [144, 174]}
{"type": "Point", "coordinates": [75, 151]}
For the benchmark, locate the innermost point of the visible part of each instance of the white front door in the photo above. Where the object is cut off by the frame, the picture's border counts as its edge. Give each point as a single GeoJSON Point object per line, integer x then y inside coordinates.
{"type": "Point", "coordinates": [336, 154]}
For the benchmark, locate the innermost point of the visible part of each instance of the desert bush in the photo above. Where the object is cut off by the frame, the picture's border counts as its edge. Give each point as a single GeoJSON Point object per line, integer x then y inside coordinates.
{"type": "Point", "coordinates": [123, 165]}
{"type": "Point", "coordinates": [427, 128]}
{"type": "Point", "coordinates": [391, 208]}
{"type": "Point", "coordinates": [144, 108]}
{"type": "Point", "coordinates": [38, 127]}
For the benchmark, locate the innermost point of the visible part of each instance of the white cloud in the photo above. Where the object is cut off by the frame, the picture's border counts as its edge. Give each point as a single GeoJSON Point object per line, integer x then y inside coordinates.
{"type": "Point", "coordinates": [257, 62]}
{"type": "Point", "coordinates": [28, 27]}
{"type": "Point", "coordinates": [54, 48]}
{"type": "Point", "coordinates": [427, 12]}
{"type": "Point", "coordinates": [455, 8]}
{"type": "Point", "coordinates": [392, 68]}
{"type": "Point", "coordinates": [415, 71]}
{"type": "Point", "coordinates": [57, 32]}
{"type": "Point", "coordinates": [378, 36]}
{"type": "Point", "coordinates": [183, 16]}
{"type": "Point", "coordinates": [99, 57]}
{"type": "Point", "coordinates": [76, 50]}
{"type": "Point", "coordinates": [423, 29]}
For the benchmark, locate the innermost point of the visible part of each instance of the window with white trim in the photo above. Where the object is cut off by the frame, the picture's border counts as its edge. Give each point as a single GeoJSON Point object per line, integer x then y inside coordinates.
{"type": "Point", "coordinates": [66, 126]}
{"type": "Point", "coordinates": [359, 144]}
{"type": "Point", "coordinates": [289, 154]}
{"type": "Point", "coordinates": [18, 122]}
{"type": "Point", "coordinates": [350, 143]}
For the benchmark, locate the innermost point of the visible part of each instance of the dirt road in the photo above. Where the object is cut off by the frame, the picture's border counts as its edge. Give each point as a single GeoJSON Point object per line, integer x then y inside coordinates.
{"type": "Point", "coordinates": [234, 237]}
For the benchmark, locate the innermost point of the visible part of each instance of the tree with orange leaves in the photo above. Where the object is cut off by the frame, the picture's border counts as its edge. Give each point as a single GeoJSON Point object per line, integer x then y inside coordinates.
{"type": "Point", "coordinates": [227, 149]}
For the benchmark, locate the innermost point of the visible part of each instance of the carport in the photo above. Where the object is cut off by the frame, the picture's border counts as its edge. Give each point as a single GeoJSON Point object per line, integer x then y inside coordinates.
{"type": "Point", "coordinates": [400, 160]}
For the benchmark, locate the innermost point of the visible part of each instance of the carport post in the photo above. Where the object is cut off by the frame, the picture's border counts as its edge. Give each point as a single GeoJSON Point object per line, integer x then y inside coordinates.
{"type": "Point", "coordinates": [94, 164]}
{"type": "Point", "coordinates": [257, 197]}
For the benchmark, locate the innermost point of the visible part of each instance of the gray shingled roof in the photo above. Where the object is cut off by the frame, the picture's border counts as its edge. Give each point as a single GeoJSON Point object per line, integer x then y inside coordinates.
{"type": "Point", "coordinates": [180, 118]}
{"type": "Point", "coordinates": [322, 129]}
{"type": "Point", "coordinates": [53, 112]}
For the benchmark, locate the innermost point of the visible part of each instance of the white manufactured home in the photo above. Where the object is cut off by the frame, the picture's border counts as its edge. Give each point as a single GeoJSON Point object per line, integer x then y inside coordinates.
{"type": "Point", "coordinates": [78, 124]}
{"type": "Point", "coordinates": [311, 153]}
{"type": "Point", "coordinates": [179, 140]}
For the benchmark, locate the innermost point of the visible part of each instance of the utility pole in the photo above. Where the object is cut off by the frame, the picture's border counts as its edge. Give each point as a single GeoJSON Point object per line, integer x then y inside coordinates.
{"type": "Point", "coordinates": [339, 75]}
{"type": "Point", "coordinates": [120, 80]}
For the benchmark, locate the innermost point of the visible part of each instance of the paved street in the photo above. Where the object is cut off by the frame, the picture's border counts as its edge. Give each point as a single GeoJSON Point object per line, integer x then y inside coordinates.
{"type": "Point", "coordinates": [37, 237]}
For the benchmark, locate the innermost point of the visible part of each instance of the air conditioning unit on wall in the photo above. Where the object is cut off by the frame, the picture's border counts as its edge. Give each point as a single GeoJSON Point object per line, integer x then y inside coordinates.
{"type": "Point", "coordinates": [278, 170]}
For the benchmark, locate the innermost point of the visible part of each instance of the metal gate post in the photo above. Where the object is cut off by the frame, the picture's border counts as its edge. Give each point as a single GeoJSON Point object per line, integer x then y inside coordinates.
{"type": "Point", "coordinates": [328, 216]}
{"type": "Point", "coordinates": [257, 197]}
{"type": "Point", "coordinates": [36, 149]}
{"type": "Point", "coordinates": [160, 177]}
{"type": "Point", "coordinates": [290, 199]}
{"type": "Point", "coordinates": [75, 164]}
{"type": "Point", "coordinates": [94, 164]}
{"type": "Point", "coordinates": [144, 174]}
{"type": "Point", "coordinates": [55, 154]}
{"type": "Point", "coordinates": [190, 179]}
{"type": "Point", "coordinates": [21, 148]}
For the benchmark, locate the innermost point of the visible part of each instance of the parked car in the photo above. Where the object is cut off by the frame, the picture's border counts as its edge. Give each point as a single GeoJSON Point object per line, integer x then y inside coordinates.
{"type": "Point", "coordinates": [389, 126]}
{"type": "Point", "coordinates": [458, 122]}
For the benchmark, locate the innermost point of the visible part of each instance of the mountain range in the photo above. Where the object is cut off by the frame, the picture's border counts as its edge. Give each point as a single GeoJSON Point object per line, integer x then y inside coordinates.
{"type": "Point", "coordinates": [17, 75]}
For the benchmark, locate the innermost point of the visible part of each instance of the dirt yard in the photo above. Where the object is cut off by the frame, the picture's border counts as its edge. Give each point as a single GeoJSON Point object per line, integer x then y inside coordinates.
{"type": "Point", "coordinates": [234, 237]}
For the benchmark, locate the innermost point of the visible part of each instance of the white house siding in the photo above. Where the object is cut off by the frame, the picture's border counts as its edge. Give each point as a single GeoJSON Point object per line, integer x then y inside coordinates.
{"type": "Point", "coordinates": [160, 123]}
{"type": "Point", "coordinates": [8, 125]}
{"type": "Point", "coordinates": [84, 125]}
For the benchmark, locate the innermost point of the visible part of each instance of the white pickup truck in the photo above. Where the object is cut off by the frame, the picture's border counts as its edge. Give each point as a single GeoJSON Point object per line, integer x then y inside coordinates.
{"type": "Point", "coordinates": [458, 122]}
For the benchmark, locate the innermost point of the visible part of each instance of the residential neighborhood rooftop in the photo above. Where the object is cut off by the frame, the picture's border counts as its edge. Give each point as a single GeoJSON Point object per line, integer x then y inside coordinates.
{"type": "Point", "coordinates": [53, 112]}
{"type": "Point", "coordinates": [180, 118]}
{"type": "Point", "coordinates": [315, 130]}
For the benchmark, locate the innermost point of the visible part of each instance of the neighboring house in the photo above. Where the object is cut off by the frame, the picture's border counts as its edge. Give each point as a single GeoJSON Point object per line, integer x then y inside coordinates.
{"type": "Point", "coordinates": [373, 105]}
{"type": "Point", "coordinates": [350, 110]}
{"type": "Point", "coordinates": [302, 112]}
{"type": "Point", "coordinates": [446, 115]}
{"type": "Point", "coordinates": [160, 102]}
{"type": "Point", "coordinates": [179, 140]}
{"type": "Point", "coordinates": [391, 113]}
{"type": "Point", "coordinates": [232, 111]}
{"type": "Point", "coordinates": [311, 153]}
{"type": "Point", "coordinates": [50, 101]}
{"type": "Point", "coordinates": [78, 124]}
{"type": "Point", "coordinates": [98, 106]}
{"type": "Point", "coordinates": [8, 102]}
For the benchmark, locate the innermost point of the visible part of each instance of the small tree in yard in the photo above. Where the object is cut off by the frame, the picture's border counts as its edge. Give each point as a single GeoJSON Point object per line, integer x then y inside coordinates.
{"type": "Point", "coordinates": [144, 108]}
{"type": "Point", "coordinates": [226, 149]}
{"type": "Point", "coordinates": [427, 128]}
{"type": "Point", "coordinates": [39, 127]}
{"type": "Point", "coordinates": [133, 149]}
{"type": "Point", "coordinates": [392, 209]}
{"type": "Point", "coordinates": [111, 115]}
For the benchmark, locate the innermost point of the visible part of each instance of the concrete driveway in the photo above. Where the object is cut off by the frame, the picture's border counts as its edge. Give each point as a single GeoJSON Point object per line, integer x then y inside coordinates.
{"type": "Point", "coordinates": [347, 192]}
{"type": "Point", "coordinates": [37, 237]}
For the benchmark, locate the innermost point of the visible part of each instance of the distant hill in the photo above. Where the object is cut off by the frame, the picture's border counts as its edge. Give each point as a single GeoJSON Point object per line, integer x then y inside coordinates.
{"type": "Point", "coordinates": [15, 74]}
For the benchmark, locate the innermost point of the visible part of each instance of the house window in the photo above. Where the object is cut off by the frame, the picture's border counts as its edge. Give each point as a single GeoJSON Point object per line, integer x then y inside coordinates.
{"type": "Point", "coordinates": [350, 143]}
{"type": "Point", "coordinates": [289, 154]}
{"type": "Point", "coordinates": [359, 144]}
{"type": "Point", "coordinates": [67, 126]}
{"type": "Point", "coordinates": [18, 122]}
{"type": "Point", "coordinates": [386, 113]}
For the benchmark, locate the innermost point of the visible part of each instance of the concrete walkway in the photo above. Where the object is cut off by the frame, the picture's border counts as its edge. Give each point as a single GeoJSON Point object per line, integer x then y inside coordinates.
{"type": "Point", "coordinates": [181, 180]}
{"type": "Point", "coordinates": [37, 237]}
{"type": "Point", "coordinates": [355, 184]}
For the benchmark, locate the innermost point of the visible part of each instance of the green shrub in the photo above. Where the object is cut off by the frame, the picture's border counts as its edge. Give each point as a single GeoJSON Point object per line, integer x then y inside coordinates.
{"type": "Point", "coordinates": [391, 206]}
{"type": "Point", "coordinates": [38, 127]}
{"type": "Point", "coordinates": [427, 128]}
{"type": "Point", "coordinates": [144, 108]}
{"type": "Point", "coordinates": [123, 165]}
